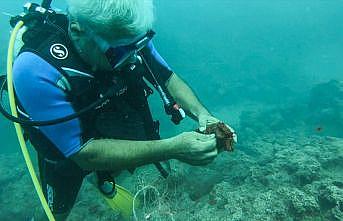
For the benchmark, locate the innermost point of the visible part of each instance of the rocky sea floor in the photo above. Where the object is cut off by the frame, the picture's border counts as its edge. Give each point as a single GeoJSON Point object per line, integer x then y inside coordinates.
{"type": "Point", "coordinates": [284, 176]}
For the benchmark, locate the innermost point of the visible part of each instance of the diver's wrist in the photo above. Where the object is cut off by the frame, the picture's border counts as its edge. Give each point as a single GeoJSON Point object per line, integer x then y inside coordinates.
{"type": "Point", "coordinates": [170, 148]}
{"type": "Point", "coordinates": [174, 147]}
{"type": "Point", "coordinates": [201, 112]}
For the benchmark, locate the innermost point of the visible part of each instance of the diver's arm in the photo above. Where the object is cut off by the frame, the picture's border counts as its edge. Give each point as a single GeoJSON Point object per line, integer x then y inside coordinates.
{"type": "Point", "coordinates": [115, 155]}
{"type": "Point", "coordinates": [185, 97]}
{"type": "Point", "coordinates": [110, 154]}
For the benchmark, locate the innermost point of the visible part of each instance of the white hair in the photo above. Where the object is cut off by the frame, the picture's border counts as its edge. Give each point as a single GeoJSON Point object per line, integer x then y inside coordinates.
{"type": "Point", "coordinates": [114, 19]}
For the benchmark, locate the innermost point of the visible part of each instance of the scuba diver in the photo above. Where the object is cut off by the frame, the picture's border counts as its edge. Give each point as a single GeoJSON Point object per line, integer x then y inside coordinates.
{"type": "Point", "coordinates": [81, 83]}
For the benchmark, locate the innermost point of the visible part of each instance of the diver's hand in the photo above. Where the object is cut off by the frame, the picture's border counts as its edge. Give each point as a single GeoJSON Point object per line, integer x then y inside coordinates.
{"type": "Point", "coordinates": [235, 138]}
{"type": "Point", "coordinates": [206, 119]}
{"type": "Point", "coordinates": [195, 148]}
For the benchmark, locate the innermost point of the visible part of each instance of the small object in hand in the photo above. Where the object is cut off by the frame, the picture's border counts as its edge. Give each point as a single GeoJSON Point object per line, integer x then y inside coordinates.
{"type": "Point", "coordinates": [223, 134]}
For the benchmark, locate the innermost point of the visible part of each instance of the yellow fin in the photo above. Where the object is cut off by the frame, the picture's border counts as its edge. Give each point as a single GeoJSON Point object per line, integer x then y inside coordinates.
{"type": "Point", "coordinates": [122, 202]}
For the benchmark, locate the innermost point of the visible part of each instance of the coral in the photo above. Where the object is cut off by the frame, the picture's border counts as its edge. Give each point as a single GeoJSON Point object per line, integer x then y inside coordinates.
{"type": "Point", "coordinates": [284, 176]}
{"type": "Point", "coordinates": [305, 168]}
{"type": "Point", "coordinates": [331, 199]}
{"type": "Point", "coordinates": [300, 203]}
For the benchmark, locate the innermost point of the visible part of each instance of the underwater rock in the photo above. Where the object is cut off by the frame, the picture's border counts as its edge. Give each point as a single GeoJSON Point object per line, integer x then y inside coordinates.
{"type": "Point", "coordinates": [272, 204]}
{"type": "Point", "coordinates": [22, 203]}
{"type": "Point", "coordinates": [331, 199]}
{"type": "Point", "coordinates": [16, 189]}
{"type": "Point", "coordinates": [91, 206]}
{"type": "Point", "coordinates": [10, 171]}
{"type": "Point", "coordinates": [332, 155]}
{"type": "Point", "coordinates": [331, 196]}
{"type": "Point", "coordinates": [269, 120]}
{"type": "Point", "coordinates": [282, 176]}
{"type": "Point", "coordinates": [326, 108]}
{"type": "Point", "coordinates": [306, 169]}
{"type": "Point", "coordinates": [235, 169]}
{"type": "Point", "coordinates": [301, 204]}
{"type": "Point", "coordinates": [205, 181]}
{"type": "Point", "coordinates": [251, 203]}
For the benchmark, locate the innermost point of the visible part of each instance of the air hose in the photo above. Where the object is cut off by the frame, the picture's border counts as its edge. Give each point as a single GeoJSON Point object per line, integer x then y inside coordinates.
{"type": "Point", "coordinates": [18, 128]}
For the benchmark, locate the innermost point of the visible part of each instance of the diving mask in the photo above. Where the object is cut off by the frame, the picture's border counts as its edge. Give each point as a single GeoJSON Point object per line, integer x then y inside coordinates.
{"type": "Point", "coordinates": [118, 55]}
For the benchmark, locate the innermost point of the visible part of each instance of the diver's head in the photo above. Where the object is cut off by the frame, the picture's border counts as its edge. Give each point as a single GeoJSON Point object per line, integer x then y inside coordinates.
{"type": "Point", "coordinates": [117, 22]}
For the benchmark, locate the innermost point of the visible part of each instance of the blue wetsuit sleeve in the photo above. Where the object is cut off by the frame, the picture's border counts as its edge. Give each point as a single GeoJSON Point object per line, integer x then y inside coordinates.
{"type": "Point", "coordinates": [35, 83]}
{"type": "Point", "coordinates": [157, 64]}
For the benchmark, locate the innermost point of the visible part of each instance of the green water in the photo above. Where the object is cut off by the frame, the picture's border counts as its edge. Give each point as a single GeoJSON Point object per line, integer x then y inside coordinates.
{"type": "Point", "coordinates": [261, 66]}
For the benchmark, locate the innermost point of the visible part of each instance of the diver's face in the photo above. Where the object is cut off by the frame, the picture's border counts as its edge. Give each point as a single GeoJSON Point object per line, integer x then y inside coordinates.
{"type": "Point", "coordinates": [87, 48]}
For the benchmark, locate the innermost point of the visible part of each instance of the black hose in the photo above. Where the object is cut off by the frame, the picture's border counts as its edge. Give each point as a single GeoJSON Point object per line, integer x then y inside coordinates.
{"type": "Point", "coordinates": [26, 122]}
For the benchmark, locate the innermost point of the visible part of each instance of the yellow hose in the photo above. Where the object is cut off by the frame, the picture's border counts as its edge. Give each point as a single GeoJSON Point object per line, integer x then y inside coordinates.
{"type": "Point", "coordinates": [18, 127]}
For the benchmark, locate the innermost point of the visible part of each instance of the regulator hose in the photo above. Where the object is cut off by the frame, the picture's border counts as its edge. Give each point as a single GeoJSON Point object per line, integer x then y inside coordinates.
{"type": "Point", "coordinates": [18, 128]}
